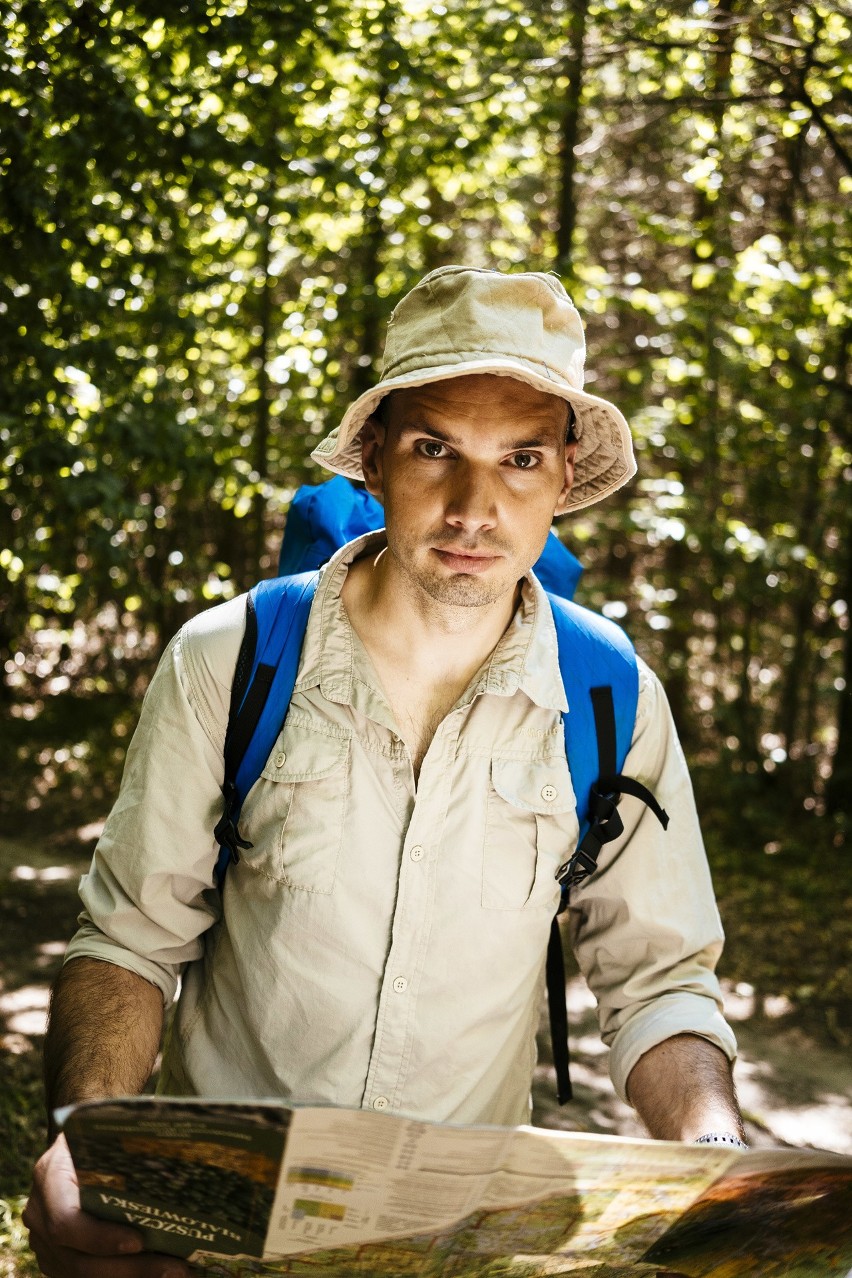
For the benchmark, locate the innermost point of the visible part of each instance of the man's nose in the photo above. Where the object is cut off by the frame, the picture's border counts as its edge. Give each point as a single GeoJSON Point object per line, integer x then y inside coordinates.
{"type": "Point", "coordinates": [472, 502]}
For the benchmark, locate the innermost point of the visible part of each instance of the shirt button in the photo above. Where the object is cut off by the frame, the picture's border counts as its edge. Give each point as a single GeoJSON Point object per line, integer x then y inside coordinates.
{"type": "Point", "coordinates": [400, 985]}
{"type": "Point", "coordinates": [549, 793]}
{"type": "Point", "coordinates": [381, 1102]}
{"type": "Point", "coordinates": [416, 852]}
{"type": "Point", "coordinates": [280, 759]}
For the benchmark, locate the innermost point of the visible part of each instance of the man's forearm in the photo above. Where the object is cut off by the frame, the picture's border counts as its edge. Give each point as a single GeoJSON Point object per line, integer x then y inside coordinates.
{"type": "Point", "coordinates": [103, 1033]}
{"type": "Point", "coordinates": [683, 1089]}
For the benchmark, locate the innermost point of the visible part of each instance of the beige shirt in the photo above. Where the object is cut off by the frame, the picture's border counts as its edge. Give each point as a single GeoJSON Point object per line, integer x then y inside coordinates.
{"type": "Point", "coordinates": [382, 943]}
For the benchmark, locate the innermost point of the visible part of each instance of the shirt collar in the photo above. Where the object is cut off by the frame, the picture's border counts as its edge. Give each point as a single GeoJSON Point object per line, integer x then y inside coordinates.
{"type": "Point", "coordinates": [525, 659]}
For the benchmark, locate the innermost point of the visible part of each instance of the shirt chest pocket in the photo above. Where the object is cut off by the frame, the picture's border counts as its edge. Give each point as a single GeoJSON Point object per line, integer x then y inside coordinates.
{"type": "Point", "coordinates": [529, 825]}
{"type": "Point", "coordinates": [296, 812]}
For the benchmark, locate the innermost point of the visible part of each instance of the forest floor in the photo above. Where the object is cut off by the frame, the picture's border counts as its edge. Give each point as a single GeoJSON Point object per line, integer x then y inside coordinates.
{"type": "Point", "coordinates": [785, 972]}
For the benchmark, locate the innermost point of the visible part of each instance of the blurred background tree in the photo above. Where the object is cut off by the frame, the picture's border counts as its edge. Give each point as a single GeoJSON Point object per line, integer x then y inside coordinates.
{"type": "Point", "coordinates": [209, 209]}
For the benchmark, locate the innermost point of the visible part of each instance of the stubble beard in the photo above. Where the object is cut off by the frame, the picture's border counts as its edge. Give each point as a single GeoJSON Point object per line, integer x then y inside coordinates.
{"type": "Point", "coordinates": [461, 590]}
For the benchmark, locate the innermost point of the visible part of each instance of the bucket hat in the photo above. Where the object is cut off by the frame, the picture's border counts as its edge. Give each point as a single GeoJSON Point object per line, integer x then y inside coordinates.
{"type": "Point", "coordinates": [460, 320]}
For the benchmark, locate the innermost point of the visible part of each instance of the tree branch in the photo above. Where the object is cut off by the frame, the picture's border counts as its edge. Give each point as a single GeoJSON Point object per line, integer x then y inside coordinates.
{"type": "Point", "coordinates": [833, 140]}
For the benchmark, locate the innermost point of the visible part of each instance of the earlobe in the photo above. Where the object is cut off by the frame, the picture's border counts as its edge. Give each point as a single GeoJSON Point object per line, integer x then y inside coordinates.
{"type": "Point", "coordinates": [372, 446]}
{"type": "Point", "coordinates": [570, 457]}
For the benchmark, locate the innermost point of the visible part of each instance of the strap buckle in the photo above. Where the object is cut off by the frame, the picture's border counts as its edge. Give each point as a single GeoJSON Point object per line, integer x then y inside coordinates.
{"type": "Point", "coordinates": [606, 825]}
{"type": "Point", "coordinates": [227, 833]}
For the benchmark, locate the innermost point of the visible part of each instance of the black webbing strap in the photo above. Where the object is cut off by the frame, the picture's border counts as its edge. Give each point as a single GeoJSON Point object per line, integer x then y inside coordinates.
{"type": "Point", "coordinates": [605, 824]}
{"type": "Point", "coordinates": [604, 711]}
{"type": "Point", "coordinates": [557, 1008]}
{"type": "Point", "coordinates": [244, 713]}
{"type": "Point", "coordinates": [245, 661]}
{"type": "Point", "coordinates": [620, 784]}
{"type": "Point", "coordinates": [241, 732]}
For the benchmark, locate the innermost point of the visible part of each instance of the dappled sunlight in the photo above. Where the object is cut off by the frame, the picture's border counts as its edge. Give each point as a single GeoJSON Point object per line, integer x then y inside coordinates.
{"type": "Point", "coordinates": [93, 830]}
{"type": "Point", "coordinates": [777, 1005]}
{"type": "Point", "coordinates": [16, 1044]}
{"type": "Point", "coordinates": [51, 949]}
{"type": "Point", "coordinates": [740, 1000]}
{"type": "Point", "coordinates": [25, 1010]}
{"type": "Point", "coordinates": [793, 1090]}
{"type": "Point", "coordinates": [590, 1045]}
{"type": "Point", "coordinates": [47, 874]}
{"type": "Point", "coordinates": [579, 998]}
{"type": "Point", "coordinates": [824, 1126]}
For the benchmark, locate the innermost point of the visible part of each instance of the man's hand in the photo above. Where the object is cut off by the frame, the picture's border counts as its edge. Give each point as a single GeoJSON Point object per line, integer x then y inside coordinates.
{"type": "Point", "coordinates": [102, 1038]}
{"type": "Point", "coordinates": [71, 1243]}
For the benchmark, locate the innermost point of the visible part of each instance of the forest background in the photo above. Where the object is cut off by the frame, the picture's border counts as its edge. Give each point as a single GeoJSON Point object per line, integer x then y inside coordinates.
{"type": "Point", "coordinates": [208, 211]}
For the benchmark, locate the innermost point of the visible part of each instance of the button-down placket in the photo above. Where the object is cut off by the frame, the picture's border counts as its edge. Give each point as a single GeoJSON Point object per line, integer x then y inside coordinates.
{"type": "Point", "coordinates": [418, 870]}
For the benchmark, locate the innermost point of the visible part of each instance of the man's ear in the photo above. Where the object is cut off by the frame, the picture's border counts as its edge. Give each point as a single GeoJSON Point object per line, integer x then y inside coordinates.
{"type": "Point", "coordinates": [372, 456]}
{"type": "Point", "coordinates": [570, 458]}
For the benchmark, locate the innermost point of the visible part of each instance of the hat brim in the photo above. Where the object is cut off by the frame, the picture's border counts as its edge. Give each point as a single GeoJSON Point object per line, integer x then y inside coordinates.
{"type": "Point", "coordinates": [604, 461]}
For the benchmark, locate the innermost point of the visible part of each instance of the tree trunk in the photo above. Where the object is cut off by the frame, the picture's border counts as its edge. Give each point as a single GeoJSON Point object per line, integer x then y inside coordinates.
{"type": "Point", "coordinates": [365, 368]}
{"type": "Point", "coordinates": [573, 67]}
{"type": "Point", "coordinates": [260, 442]}
{"type": "Point", "coordinates": [839, 788]}
{"type": "Point", "coordinates": [795, 681]}
{"type": "Point", "coordinates": [696, 575]}
{"type": "Point", "coordinates": [373, 238]}
{"type": "Point", "coordinates": [838, 795]}
{"type": "Point", "coordinates": [803, 609]}
{"type": "Point", "coordinates": [677, 643]}
{"type": "Point", "coordinates": [745, 710]}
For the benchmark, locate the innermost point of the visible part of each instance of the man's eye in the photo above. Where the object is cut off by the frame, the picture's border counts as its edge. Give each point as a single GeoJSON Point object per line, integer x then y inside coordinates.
{"type": "Point", "coordinates": [431, 448]}
{"type": "Point", "coordinates": [523, 461]}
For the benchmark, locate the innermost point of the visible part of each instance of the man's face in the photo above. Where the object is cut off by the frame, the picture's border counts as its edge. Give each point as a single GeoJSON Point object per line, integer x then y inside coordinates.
{"type": "Point", "coordinates": [470, 471]}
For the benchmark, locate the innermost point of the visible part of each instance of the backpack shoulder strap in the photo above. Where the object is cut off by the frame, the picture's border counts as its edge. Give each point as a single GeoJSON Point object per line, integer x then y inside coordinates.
{"type": "Point", "coordinates": [265, 675]}
{"type": "Point", "coordinates": [597, 663]}
{"type": "Point", "coordinates": [601, 677]}
{"type": "Point", "coordinates": [594, 653]}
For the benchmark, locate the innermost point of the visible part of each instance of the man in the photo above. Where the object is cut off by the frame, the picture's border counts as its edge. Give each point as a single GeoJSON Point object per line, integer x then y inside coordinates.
{"type": "Point", "coordinates": [381, 942]}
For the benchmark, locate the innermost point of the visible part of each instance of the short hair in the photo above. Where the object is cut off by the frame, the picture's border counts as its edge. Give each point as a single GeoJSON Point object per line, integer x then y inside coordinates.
{"type": "Point", "coordinates": [380, 412]}
{"type": "Point", "coordinates": [570, 423]}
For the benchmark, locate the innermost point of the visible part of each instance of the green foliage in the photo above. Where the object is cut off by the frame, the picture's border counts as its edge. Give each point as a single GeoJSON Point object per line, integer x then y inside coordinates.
{"type": "Point", "coordinates": [16, 1259]}
{"type": "Point", "coordinates": [208, 210]}
{"type": "Point", "coordinates": [788, 923]}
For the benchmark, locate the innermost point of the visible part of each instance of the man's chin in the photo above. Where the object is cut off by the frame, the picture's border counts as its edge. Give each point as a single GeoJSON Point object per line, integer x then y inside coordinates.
{"type": "Point", "coordinates": [466, 591]}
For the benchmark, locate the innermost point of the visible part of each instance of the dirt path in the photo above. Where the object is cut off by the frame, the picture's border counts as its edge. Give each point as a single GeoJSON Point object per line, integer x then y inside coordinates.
{"type": "Point", "coordinates": [794, 1090]}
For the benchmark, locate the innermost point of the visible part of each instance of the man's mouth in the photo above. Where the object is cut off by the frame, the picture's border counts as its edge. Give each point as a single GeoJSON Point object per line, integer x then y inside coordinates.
{"type": "Point", "coordinates": [460, 560]}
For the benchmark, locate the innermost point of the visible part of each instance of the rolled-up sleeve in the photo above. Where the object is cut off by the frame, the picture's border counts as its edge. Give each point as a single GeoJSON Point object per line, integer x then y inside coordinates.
{"type": "Point", "coordinates": [645, 927]}
{"type": "Point", "coordinates": [149, 895]}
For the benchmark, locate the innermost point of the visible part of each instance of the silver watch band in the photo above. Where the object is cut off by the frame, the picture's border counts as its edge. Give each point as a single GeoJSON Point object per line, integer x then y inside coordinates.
{"type": "Point", "coordinates": [721, 1138]}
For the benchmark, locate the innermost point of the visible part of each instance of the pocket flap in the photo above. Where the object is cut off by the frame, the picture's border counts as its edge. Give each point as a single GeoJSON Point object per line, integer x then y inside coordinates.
{"type": "Point", "coordinates": [304, 755]}
{"type": "Point", "coordinates": [542, 786]}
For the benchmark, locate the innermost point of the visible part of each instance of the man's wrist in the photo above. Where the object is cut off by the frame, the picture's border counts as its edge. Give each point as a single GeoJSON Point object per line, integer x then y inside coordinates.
{"type": "Point", "coordinates": [721, 1138]}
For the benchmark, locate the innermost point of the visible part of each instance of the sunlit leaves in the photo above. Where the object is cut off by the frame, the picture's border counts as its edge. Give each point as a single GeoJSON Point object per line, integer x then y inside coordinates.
{"type": "Point", "coordinates": [210, 209]}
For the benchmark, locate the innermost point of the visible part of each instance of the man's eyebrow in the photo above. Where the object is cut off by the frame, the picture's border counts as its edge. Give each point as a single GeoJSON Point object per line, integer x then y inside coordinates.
{"type": "Point", "coordinates": [420, 428]}
{"type": "Point", "coordinates": [508, 445]}
{"type": "Point", "coordinates": [537, 442]}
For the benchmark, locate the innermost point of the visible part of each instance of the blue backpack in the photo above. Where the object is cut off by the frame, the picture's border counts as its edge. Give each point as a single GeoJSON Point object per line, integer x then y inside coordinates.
{"type": "Point", "coordinates": [596, 661]}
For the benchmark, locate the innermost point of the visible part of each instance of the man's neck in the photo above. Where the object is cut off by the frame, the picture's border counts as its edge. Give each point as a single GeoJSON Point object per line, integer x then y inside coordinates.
{"type": "Point", "coordinates": [425, 653]}
{"type": "Point", "coordinates": [401, 625]}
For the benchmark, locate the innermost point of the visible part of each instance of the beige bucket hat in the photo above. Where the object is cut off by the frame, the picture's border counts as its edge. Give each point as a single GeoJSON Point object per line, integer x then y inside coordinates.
{"type": "Point", "coordinates": [460, 320]}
